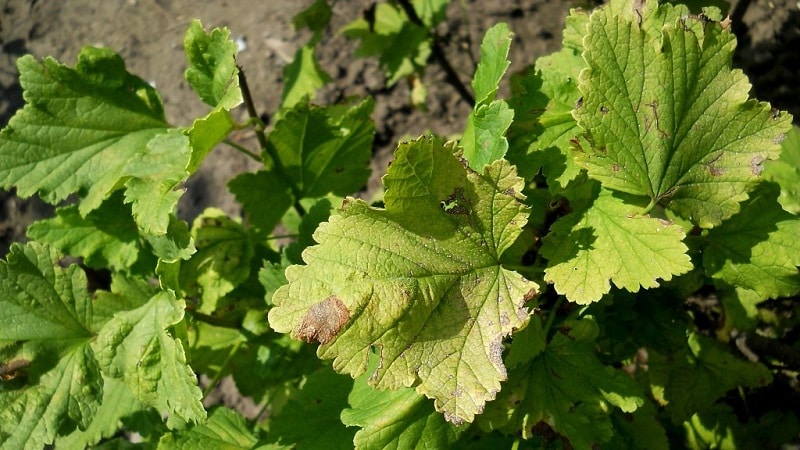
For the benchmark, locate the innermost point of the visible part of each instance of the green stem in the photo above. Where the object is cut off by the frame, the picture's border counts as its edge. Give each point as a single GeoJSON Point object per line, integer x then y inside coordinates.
{"type": "Point", "coordinates": [221, 370]}
{"type": "Point", "coordinates": [280, 170]}
{"type": "Point", "coordinates": [438, 54]}
{"type": "Point", "coordinates": [242, 150]}
{"type": "Point", "coordinates": [551, 317]}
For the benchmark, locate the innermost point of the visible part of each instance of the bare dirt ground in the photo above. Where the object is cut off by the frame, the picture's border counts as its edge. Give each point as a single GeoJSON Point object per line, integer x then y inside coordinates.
{"type": "Point", "coordinates": [149, 35]}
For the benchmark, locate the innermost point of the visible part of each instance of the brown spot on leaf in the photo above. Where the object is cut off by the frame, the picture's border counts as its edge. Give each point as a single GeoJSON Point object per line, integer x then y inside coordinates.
{"type": "Point", "coordinates": [715, 171]}
{"type": "Point", "coordinates": [323, 321]}
{"type": "Point", "coordinates": [604, 110]}
{"type": "Point", "coordinates": [615, 167]}
{"type": "Point", "coordinates": [755, 165]}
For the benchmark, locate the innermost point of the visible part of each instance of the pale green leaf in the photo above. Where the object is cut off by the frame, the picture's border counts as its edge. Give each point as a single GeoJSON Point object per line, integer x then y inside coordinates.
{"type": "Point", "coordinates": [401, 419]}
{"type": "Point", "coordinates": [484, 138]}
{"type": "Point", "coordinates": [493, 63]}
{"type": "Point", "coordinates": [80, 128]}
{"type": "Point", "coordinates": [605, 240]}
{"type": "Point", "coordinates": [758, 248]}
{"type": "Point", "coordinates": [786, 171]}
{"type": "Point", "coordinates": [176, 244]}
{"type": "Point", "coordinates": [40, 300]}
{"type": "Point", "coordinates": [212, 71]}
{"type": "Point", "coordinates": [323, 153]}
{"type": "Point", "coordinates": [302, 77]}
{"type": "Point", "coordinates": [48, 311]}
{"type": "Point", "coordinates": [222, 261]}
{"type": "Point", "coordinates": [668, 118]}
{"type": "Point", "coordinates": [310, 420]}
{"type": "Point", "coordinates": [402, 47]}
{"type": "Point", "coordinates": [225, 429]}
{"type": "Point", "coordinates": [565, 387]}
{"type": "Point", "coordinates": [419, 280]}
{"type": "Point", "coordinates": [205, 133]}
{"type": "Point", "coordinates": [106, 237]}
{"type": "Point", "coordinates": [136, 347]}
{"type": "Point", "coordinates": [68, 391]}
{"type": "Point", "coordinates": [157, 172]}
{"type": "Point", "coordinates": [118, 403]}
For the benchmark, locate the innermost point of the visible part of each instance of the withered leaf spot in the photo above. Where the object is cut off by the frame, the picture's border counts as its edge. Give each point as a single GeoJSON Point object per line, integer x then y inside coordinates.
{"type": "Point", "coordinates": [323, 321]}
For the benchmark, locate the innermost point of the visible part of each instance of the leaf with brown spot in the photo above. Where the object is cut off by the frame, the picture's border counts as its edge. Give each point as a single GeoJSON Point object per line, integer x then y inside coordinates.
{"type": "Point", "coordinates": [323, 321]}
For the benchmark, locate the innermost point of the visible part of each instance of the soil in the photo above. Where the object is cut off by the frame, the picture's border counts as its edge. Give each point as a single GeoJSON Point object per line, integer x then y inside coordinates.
{"type": "Point", "coordinates": [149, 34]}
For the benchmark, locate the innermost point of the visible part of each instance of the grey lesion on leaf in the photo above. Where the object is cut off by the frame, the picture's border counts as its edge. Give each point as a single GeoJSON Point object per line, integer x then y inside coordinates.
{"type": "Point", "coordinates": [11, 369]}
{"type": "Point", "coordinates": [713, 168]}
{"type": "Point", "coordinates": [755, 165]}
{"type": "Point", "coordinates": [323, 321]}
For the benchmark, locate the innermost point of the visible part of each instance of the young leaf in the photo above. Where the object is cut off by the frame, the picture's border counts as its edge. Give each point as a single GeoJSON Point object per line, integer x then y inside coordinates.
{"type": "Point", "coordinates": [758, 248]}
{"type": "Point", "coordinates": [212, 71]}
{"type": "Point", "coordinates": [565, 387]}
{"type": "Point", "coordinates": [106, 237]}
{"type": "Point", "coordinates": [225, 429]}
{"type": "Point", "coordinates": [264, 197]}
{"type": "Point", "coordinates": [484, 137]}
{"type": "Point", "coordinates": [302, 77]}
{"type": "Point", "coordinates": [222, 261]}
{"type": "Point", "coordinates": [493, 63]}
{"type": "Point", "coordinates": [48, 309]}
{"type": "Point", "coordinates": [605, 240]}
{"type": "Point", "coordinates": [80, 128]}
{"type": "Point", "coordinates": [420, 280]}
{"type": "Point", "coordinates": [543, 129]}
{"type": "Point", "coordinates": [403, 47]}
{"type": "Point", "coordinates": [136, 347]}
{"type": "Point", "coordinates": [401, 419]}
{"type": "Point", "coordinates": [668, 117]}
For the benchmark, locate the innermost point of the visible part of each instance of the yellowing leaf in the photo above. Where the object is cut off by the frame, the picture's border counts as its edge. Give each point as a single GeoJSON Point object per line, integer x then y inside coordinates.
{"type": "Point", "coordinates": [426, 289]}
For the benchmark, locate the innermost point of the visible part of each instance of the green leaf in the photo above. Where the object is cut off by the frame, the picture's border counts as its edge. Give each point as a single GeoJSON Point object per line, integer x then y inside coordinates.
{"type": "Point", "coordinates": [542, 134]}
{"type": "Point", "coordinates": [484, 138]}
{"type": "Point", "coordinates": [47, 310]}
{"type": "Point", "coordinates": [694, 378]}
{"type": "Point", "coordinates": [640, 429]}
{"type": "Point", "coordinates": [402, 47]}
{"type": "Point", "coordinates": [668, 118]}
{"type": "Point", "coordinates": [137, 347]}
{"type": "Point", "coordinates": [212, 71]}
{"type": "Point", "coordinates": [224, 430]}
{"type": "Point", "coordinates": [605, 240]}
{"type": "Point", "coordinates": [264, 197]}
{"type": "Point", "coordinates": [302, 77]}
{"type": "Point", "coordinates": [118, 403]}
{"type": "Point", "coordinates": [758, 248]}
{"type": "Point", "coordinates": [222, 261]}
{"type": "Point", "coordinates": [316, 17]}
{"type": "Point", "coordinates": [419, 280]}
{"type": "Point", "coordinates": [493, 63]}
{"type": "Point", "coordinates": [566, 388]}
{"type": "Point", "coordinates": [157, 172]}
{"type": "Point", "coordinates": [106, 237]}
{"type": "Point", "coordinates": [401, 419]}
{"type": "Point", "coordinates": [786, 171]}
{"type": "Point", "coordinates": [323, 153]}
{"type": "Point", "coordinates": [310, 420]}
{"type": "Point", "coordinates": [205, 133]}
{"type": "Point", "coordinates": [80, 129]}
